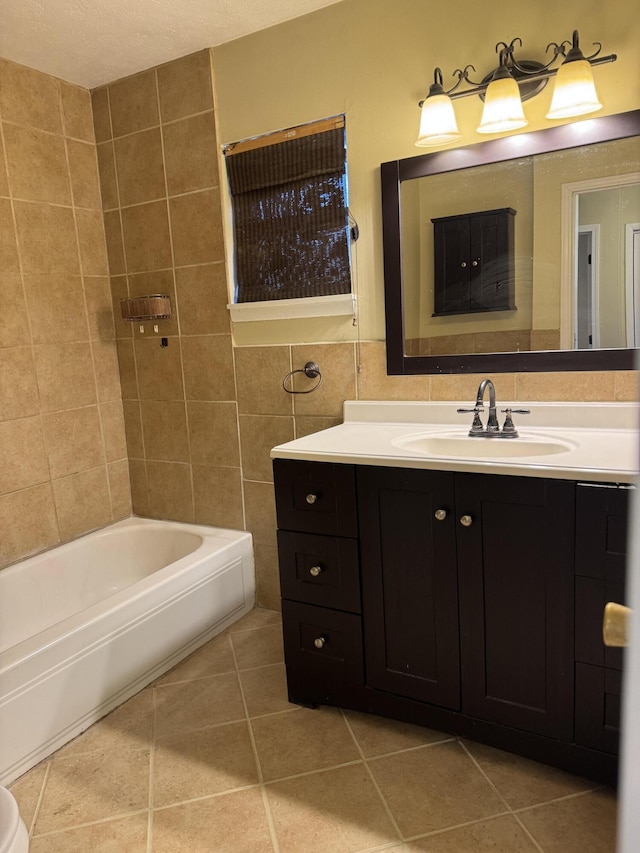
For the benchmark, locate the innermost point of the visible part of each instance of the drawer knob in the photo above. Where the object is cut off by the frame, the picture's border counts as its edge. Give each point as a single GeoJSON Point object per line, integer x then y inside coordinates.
{"type": "Point", "coordinates": [319, 642]}
{"type": "Point", "coordinates": [466, 521]}
{"type": "Point", "coordinates": [440, 514]}
{"type": "Point", "coordinates": [311, 499]}
{"type": "Point", "coordinates": [314, 571]}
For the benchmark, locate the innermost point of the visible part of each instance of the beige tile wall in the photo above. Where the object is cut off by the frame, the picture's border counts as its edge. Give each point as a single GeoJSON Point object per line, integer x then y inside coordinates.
{"type": "Point", "coordinates": [63, 455]}
{"type": "Point", "coordinates": [157, 155]}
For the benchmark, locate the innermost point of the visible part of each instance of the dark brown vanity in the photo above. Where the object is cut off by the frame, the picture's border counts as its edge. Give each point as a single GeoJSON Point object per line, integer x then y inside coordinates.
{"type": "Point", "coordinates": [466, 602]}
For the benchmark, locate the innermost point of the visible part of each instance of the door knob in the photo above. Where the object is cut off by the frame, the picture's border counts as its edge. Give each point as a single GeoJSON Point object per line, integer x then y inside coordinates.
{"type": "Point", "coordinates": [466, 521]}
{"type": "Point", "coordinates": [440, 514]}
{"type": "Point", "coordinates": [314, 571]}
{"type": "Point", "coordinates": [615, 624]}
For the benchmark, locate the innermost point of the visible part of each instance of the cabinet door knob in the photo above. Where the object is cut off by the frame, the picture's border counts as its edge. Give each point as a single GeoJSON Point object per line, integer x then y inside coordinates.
{"type": "Point", "coordinates": [440, 514]}
{"type": "Point", "coordinates": [311, 499]}
{"type": "Point", "coordinates": [463, 265]}
{"type": "Point", "coordinates": [315, 571]}
{"type": "Point", "coordinates": [319, 642]}
{"type": "Point", "coordinates": [466, 521]}
{"type": "Point", "coordinates": [474, 263]}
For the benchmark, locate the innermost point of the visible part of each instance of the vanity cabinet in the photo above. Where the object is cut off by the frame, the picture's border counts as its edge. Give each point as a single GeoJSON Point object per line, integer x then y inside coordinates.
{"type": "Point", "coordinates": [474, 262]}
{"type": "Point", "coordinates": [455, 600]}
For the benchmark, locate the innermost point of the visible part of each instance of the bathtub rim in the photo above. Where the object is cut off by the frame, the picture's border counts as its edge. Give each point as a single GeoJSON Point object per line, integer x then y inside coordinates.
{"type": "Point", "coordinates": [19, 654]}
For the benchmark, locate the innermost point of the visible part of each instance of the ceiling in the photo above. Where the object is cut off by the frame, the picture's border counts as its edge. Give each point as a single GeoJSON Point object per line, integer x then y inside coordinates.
{"type": "Point", "coordinates": [91, 42]}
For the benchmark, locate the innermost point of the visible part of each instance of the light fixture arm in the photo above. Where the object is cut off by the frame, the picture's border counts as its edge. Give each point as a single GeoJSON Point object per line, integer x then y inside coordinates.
{"type": "Point", "coordinates": [518, 69]}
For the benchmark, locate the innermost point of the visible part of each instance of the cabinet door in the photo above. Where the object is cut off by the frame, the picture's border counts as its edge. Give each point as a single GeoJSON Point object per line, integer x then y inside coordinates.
{"type": "Point", "coordinates": [473, 262]}
{"type": "Point", "coordinates": [516, 601]}
{"type": "Point", "coordinates": [601, 547]}
{"type": "Point", "coordinates": [452, 265]}
{"type": "Point", "coordinates": [409, 585]}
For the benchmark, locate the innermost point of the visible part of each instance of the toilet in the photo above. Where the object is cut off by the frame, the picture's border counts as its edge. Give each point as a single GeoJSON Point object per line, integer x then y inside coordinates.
{"type": "Point", "coordinates": [14, 837]}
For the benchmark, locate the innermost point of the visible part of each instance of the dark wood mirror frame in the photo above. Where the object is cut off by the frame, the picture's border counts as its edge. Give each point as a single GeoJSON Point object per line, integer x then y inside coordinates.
{"type": "Point", "coordinates": [393, 174]}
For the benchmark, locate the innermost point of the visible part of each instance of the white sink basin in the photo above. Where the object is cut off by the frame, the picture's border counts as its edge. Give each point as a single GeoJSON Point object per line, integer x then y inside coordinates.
{"type": "Point", "coordinates": [453, 445]}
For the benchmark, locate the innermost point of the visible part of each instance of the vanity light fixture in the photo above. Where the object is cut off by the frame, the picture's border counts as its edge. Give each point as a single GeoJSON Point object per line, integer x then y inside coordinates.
{"type": "Point", "coordinates": [505, 88]}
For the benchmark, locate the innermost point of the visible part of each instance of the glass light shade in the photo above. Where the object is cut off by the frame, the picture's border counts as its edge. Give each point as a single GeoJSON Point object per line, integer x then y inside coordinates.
{"type": "Point", "coordinates": [437, 122]}
{"type": "Point", "coordinates": [574, 92]}
{"type": "Point", "coordinates": [502, 107]}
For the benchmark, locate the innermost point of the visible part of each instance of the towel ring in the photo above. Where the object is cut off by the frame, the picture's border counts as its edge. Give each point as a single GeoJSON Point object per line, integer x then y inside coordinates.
{"type": "Point", "coordinates": [311, 370]}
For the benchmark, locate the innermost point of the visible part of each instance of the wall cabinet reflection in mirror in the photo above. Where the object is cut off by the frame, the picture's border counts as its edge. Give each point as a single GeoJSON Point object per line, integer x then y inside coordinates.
{"type": "Point", "coordinates": [575, 303]}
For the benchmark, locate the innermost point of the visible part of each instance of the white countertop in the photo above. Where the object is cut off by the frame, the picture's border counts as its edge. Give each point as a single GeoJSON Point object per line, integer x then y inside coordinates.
{"type": "Point", "coordinates": [601, 440]}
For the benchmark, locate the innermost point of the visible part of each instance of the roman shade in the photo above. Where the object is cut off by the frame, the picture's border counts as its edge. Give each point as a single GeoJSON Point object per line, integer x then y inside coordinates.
{"type": "Point", "coordinates": [290, 213]}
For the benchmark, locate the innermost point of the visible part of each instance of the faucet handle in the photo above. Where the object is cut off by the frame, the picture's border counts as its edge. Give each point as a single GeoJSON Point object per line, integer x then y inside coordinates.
{"type": "Point", "coordinates": [508, 429]}
{"type": "Point", "coordinates": [476, 426]}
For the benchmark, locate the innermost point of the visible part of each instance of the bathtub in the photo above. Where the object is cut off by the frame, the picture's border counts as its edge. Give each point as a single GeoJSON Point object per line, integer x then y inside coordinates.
{"type": "Point", "coordinates": [85, 626]}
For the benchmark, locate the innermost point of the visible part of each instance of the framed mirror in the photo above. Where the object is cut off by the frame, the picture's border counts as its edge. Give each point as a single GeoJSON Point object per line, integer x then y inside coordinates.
{"type": "Point", "coordinates": [559, 294]}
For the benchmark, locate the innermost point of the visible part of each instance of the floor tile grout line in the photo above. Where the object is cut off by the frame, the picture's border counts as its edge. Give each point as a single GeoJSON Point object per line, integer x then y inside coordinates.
{"type": "Point", "coordinates": [318, 770]}
{"type": "Point", "coordinates": [529, 835]}
{"type": "Point", "coordinates": [36, 812]}
{"type": "Point", "coordinates": [411, 749]}
{"type": "Point", "coordinates": [247, 719]}
{"type": "Point", "coordinates": [86, 823]}
{"type": "Point", "coordinates": [484, 775]}
{"type": "Point", "coordinates": [443, 830]}
{"type": "Point", "coordinates": [215, 674]}
{"type": "Point", "coordinates": [254, 786]}
{"type": "Point", "coordinates": [380, 848]}
{"type": "Point", "coordinates": [205, 728]}
{"type": "Point", "coordinates": [575, 796]}
{"type": "Point", "coordinates": [369, 772]}
{"type": "Point", "coordinates": [502, 799]}
{"type": "Point", "coordinates": [152, 757]}
{"type": "Point", "coordinates": [256, 757]}
{"type": "Point", "coordinates": [270, 821]}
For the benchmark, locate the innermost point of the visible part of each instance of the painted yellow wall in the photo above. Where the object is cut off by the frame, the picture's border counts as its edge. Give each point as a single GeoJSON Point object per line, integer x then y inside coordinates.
{"type": "Point", "coordinates": [373, 60]}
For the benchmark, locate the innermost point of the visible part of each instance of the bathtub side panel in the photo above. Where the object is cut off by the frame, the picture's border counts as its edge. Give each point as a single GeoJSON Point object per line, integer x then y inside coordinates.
{"type": "Point", "coordinates": [89, 680]}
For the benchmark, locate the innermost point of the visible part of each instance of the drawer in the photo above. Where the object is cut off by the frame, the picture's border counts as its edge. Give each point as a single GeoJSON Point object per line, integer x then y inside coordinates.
{"type": "Point", "coordinates": [597, 709]}
{"type": "Point", "coordinates": [323, 654]}
{"type": "Point", "coordinates": [320, 570]}
{"type": "Point", "coordinates": [315, 497]}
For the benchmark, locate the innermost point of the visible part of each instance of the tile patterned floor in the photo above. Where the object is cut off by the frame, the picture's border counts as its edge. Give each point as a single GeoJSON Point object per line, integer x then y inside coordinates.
{"type": "Point", "coordinates": [212, 758]}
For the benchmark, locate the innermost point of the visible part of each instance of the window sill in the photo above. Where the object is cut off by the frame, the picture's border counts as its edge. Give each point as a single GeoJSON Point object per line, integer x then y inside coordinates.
{"type": "Point", "coordinates": [289, 309]}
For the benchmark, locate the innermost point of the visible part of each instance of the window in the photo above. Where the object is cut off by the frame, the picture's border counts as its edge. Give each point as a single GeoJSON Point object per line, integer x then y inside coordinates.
{"type": "Point", "coordinates": [290, 213]}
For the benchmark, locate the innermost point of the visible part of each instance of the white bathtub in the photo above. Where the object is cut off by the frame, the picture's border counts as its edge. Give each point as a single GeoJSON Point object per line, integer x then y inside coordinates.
{"type": "Point", "coordinates": [85, 626]}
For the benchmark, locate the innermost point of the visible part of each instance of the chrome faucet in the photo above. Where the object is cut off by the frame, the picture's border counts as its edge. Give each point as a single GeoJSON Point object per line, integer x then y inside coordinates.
{"type": "Point", "coordinates": [492, 420]}
{"type": "Point", "coordinates": [492, 430]}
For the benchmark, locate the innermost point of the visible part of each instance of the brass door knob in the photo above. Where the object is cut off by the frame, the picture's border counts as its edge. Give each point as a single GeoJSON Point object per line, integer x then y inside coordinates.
{"type": "Point", "coordinates": [319, 642]}
{"type": "Point", "coordinates": [440, 514]}
{"type": "Point", "coordinates": [615, 624]}
{"type": "Point", "coordinates": [314, 571]}
{"type": "Point", "coordinates": [466, 521]}
{"type": "Point", "coordinates": [311, 499]}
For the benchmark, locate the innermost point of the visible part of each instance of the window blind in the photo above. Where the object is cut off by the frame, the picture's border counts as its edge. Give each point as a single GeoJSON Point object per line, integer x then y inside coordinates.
{"type": "Point", "coordinates": [290, 214]}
